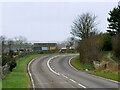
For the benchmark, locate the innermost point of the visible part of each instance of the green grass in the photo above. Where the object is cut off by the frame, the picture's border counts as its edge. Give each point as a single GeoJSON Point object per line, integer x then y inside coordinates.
{"type": "Point", "coordinates": [19, 78]}
{"type": "Point", "coordinates": [76, 63]}
{"type": "Point", "coordinates": [0, 84]}
{"type": "Point", "coordinates": [108, 75]}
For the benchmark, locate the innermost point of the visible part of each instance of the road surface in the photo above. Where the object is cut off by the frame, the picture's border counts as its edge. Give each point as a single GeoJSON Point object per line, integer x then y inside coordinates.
{"type": "Point", "coordinates": [55, 72]}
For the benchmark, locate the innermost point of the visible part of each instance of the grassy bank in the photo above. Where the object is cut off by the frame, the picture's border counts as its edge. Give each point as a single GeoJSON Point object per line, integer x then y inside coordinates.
{"type": "Point", "coordinates": [108, 75]}
{"type": "Point", "coordinates": [19, 77]}
{"type": "Point", "coordinates": [76, 63]}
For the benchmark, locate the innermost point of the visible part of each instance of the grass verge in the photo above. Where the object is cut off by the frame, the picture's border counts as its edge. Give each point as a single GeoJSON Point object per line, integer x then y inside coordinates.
{"type": "Point", "coordinates": [76, 63]}
{"type": "Point", "coordinates": [19, 78]}
{"type": "Point", "coordinates": [0, 84]}
{"type": "Point", "coordinates": [108, 75]}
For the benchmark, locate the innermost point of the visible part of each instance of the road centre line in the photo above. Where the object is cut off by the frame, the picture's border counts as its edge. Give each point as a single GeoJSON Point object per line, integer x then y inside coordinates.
{"type": "Point", "coordinates": [73, 80]}
{"type": "Point", "coordinates": [62, 74]}
{"type": "Point", "coordinates": [50, 67]}
{"type": "Point", "coordinates": [81, 85]}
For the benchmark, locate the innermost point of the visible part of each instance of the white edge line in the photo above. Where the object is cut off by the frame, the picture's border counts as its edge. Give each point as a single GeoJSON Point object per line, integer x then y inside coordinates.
{"type": "Point", "coordinates": [104, 78]}
{"type": "Point", "coordinates": [61, 74]}
{"type": "Point", "coordinates": [90, 74]}
{"type": "Point", "coordinates": [32, 81]}
{"type": "Point", "coordinates": [50, 67]}
{"type": "Point", "coordinates": [72, 65]}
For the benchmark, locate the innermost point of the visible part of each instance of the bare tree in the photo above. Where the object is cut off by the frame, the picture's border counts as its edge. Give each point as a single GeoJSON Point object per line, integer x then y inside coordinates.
{"type": "Point", "coordinates": [20, 41]}
{"type": "Point", "coordinates": [67, 43]}
{"type": "Point", "coordinates": [84, 26]}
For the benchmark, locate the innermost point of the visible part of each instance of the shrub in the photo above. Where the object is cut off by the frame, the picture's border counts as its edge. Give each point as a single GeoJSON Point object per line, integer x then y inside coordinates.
{"type": "Point", "coordinates": [90, 49]}
{"type": "Point", "coordinates": [5, 59]}
{"type": "Point", "coordinates": [107, 42]}
{"type": "Point", "coordinates": [116, 46]}
{"type": "Point", "coordinates": [12, 64]}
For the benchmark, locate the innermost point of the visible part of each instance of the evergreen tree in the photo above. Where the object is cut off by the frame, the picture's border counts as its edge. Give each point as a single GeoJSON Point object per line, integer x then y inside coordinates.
{"type": "Point", "coordinates": [114, 21]}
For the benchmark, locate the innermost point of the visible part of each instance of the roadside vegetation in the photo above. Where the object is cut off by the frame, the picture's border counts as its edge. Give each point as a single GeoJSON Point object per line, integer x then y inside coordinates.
{"type": "Point", "coordinates": [19, 77]}
{"type": "Point", "coordinates": [76, 63]}
{"type": "Point", "coordinates": [0, 84]}
{"type": "Point", "coordinates": [98, 52]}
{"type": "Point", "coordinates": [91, 70]}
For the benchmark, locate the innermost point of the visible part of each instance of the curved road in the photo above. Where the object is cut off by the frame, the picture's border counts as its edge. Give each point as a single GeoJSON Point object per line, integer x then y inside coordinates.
{"type": "Point", "coordinates": [55, 72]}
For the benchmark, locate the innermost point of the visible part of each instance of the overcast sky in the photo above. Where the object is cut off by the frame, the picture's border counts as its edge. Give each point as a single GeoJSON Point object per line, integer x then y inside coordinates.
{"type": "Point", "coordinates": [48, 21]}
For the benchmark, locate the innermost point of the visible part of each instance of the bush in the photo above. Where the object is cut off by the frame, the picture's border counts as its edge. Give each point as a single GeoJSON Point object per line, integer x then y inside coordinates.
{"type": "Point", "coordinates": [116, 46]}
{"type": "Point", "coordinates": [12, 64]}
{"type": "Point", "coordinates": [90, 49]}
{"type": "Point", "coordinates": [5, 59]}
{"type": "Point", "coordinates": [107, 42]}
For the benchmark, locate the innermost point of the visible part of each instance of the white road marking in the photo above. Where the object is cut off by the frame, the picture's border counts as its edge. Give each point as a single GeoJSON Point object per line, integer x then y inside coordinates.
{"type": "Point", "coordinates": [70, 63]}
{"type": "Point", "coordinates": [32, 81]}
{"type": "Point", "coordinates": [53, 68]}
{"type": "Point", "coordinates": [81, 85]}
{"type": "Point", "coordinates": [33, 85]}
{"type": "Point", "coordinates": [90, 74]}
{"type": "Point", "coordinates": [50, 67]}
{"type": "Point", "coordinates": [72, 80]}
{"type": "Point", "coordinates": [104, 78]}
{"type": "Point", "coordinates": [48, 64]}
{"type": "Point", "coordinates": [64, 76]}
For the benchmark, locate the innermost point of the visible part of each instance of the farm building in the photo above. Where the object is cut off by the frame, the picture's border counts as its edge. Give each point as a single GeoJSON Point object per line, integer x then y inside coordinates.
{"type": "Point", "coordinates": [45, 47]}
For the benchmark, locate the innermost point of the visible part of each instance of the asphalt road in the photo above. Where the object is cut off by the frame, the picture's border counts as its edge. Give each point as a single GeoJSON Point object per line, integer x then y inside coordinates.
{"type": "Point", "coordinates": [49, 72]}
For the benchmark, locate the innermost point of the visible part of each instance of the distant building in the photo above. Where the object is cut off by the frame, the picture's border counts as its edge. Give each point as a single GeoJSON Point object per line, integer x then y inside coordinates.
{"type": "Point", "coordinates": [45, 46]}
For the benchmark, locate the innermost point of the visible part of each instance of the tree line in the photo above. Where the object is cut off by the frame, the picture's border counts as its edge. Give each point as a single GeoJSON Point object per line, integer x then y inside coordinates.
{"type": "Point", "coordinates": [91, 42]}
